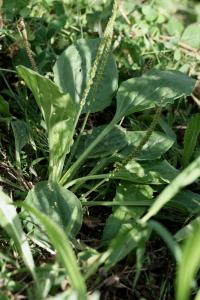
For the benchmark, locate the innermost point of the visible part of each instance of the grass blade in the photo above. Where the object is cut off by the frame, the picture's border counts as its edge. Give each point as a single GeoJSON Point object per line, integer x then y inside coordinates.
{"type": "Point", "coordinates": [10, 221]}
{"type": "Point", "coordinates": [189, 175]}
{"type": "Point", "coordinates": [63, 248]}
{"type": "Point", "coordinates": [190, 138]}
{"type": "Point", "coordinates": [168, 239]}
{"type": "Point", "coordinates": [189, 265]}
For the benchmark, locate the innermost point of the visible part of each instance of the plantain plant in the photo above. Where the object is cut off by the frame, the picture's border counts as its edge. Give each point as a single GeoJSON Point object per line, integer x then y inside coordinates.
{"type": "Point", "coordinates": [85, 81]}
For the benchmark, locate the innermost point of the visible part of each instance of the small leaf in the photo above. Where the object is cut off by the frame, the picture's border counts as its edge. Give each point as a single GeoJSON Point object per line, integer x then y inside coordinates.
{"type": "Point", "coordinates": [59, 113]}
{"type": "Point", "coordinates": [72, 70]}
{"type": "Point", "coordinates": [21, 134]}
{"type": "Point", "coordinates": [155, 88]}
{"type": "Point", "coordinates": [149, 13]}
{"type": "Point", "coordinates": [191, 36]}
{"type": "Point", "coordinates": [174, 27]}
{"type": "Point", "coordinates": [59, 204]}
{"type": "Point", "coordinates": [190, 138]}
{"type": "Point", "coordinates": [189, 264]}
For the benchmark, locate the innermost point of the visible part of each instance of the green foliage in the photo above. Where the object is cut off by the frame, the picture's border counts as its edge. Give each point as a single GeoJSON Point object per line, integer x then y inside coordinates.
{"type": "Point", "coordinates": [124, 242]}
{"type": "Point", "coordinates": [191, 37]}
{"type": "Point", "coordinates": [188, 176]}
{"type": "Point", "coordinates": [190, 138]}
{"type": "Point", "coordinates": [58, 204]}
{"type": "Point", "coordinates": [11, 223]}
{"type": "Point", "coordinates": [64, 250]}
{"type": "Point", "coordinates": [4, 107]}
{"type": "Point", "coordinates": [59, 113]}
{"type": "Point", "coordinates": [123, 141]}
{"type": "Point", "coordinates": [124, 217]}
{"type": "Point", "coordinates": [90, 201]}
{"type": "Point", "coordinates": [152, 172]}
{"type": "Point", "coordinates": [72, 72]}
{"type": "Point", "coordinates": [21, 135]}
{"type": "Point", "coordinates": [154, 88]}
{"type": "Point", "coordinates": [189, 264]}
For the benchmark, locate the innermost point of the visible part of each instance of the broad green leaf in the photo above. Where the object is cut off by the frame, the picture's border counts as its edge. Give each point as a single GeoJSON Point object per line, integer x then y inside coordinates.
{"type": "Point", "coordinates": [174, 27]}
{"type": "Point", "coordinates": [155, 88]}
{"type": "Point", "coordinates": [63, 248]}
{"type": "Point", "coordinates": [149, 12]}
{"type": "Point", "coordinates": [190, 138]}
{"type": "Point", "coordinates": [59, 204]}
{"type": "Point", "coordinates": [126, 141]}
{"type": "Point", "coordinates": [59, 113]}
{"type": "Point", "coordinates": [21, 134]}
{"type": "Point", "coordinates": [123, 216]}
{"type": "Point", "coordinates": [155, 147]}
{"type": "Point", "coordinates": [72, 71]}
{"type": "Point", "coordinates": [189, 265]}
{"type": "Point", "coordinates": [10, 221]}
{"type": "Point", "coordinates": [186, 177]}
{"type": "Point", "coordinates": [191, 36]}
{"type": "Point", "coordinates": [150, 172]}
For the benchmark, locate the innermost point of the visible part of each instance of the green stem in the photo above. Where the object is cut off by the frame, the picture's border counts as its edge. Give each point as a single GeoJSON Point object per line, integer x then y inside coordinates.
{"type": "Point", "coordinates": [85, 178]}
{"type": "Point", "coordinates": [132, 155]}
{"type": "Point", "coordinates": [96, 186]}
{"type": "Point", "coordinates": [112, 203]}
{"type": "Point", "coordinates": [83, 156]}
{"type": "Point", "coordinates": [8, 70]}
{"type": "Point", "coordinates": [77, 141]}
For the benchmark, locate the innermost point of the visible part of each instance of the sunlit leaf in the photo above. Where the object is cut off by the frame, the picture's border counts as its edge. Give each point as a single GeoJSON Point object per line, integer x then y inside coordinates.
{"type": "Point", "coordinates": [189, 264]}
{"type": "Point", "coordinates": [191, 36]}
{"type": "Point", "coordinates": [147, 172]}
{"type": "Point", "coordinates": [59, 113]}
{"type": "Point", "coordinates": [155, 88]}
{"type": "Point", "coordinates": [187, 230]}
